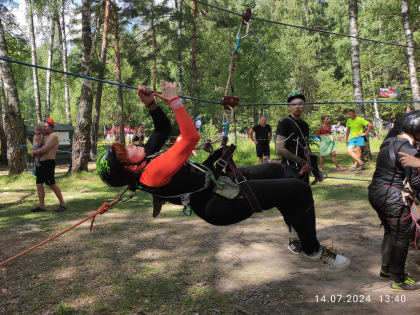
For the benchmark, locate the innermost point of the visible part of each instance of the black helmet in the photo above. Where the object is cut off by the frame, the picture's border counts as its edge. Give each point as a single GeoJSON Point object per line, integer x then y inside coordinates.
{"type": "Point", "coordinates": [411, 123]}
{"type": "Point", "coordinates": [110, 170]}
{"type": "Point", "coordinates": [295, 94]}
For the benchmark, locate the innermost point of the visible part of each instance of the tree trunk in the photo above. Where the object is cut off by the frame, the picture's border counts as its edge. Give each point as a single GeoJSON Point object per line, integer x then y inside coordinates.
{"type": "Point", "coordinates": [179, 6]}
{"type": "Point", "coordinates": [101, 72]}
{"type": "Point", "coordinates": [3, 141]}
{"type": "Point", "coordinates": [118, 68]}
{"type": "Point", "coordinates": [194, 68]}
{"type": "Point", "coordinates": [355, 59]}
{"type": "Point", "coordinates": [49, 64]}
{"type": "Point", "coordinates": [81, 137]}
{"type": "Point", "coordinates": [33, 55]}
{"type": "Point", "coordinates": [63, 45]}
{"type": "Point", "coordinates": [412, 70]}
{"type": "Point", "coordinates": [12, 120]}
{"type": "Point", "coordinates": [154, 50]}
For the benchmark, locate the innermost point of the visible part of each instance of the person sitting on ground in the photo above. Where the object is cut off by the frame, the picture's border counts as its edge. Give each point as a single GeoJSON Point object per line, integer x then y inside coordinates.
{"type": "Point", "coordinates": [214, 197]}
{"type": "Point", "coordinates": [37, 141]}
{"type": "Point", "coordinates": [355, 126]}
{"type": "Point", "coordinates": [140, 136]}
{"type": "Point", "coordinates": [327, 144]}
{"type": "Point", "coordinates": [262, 139]}
{"type": "Point", "coordinates": [391, 193]}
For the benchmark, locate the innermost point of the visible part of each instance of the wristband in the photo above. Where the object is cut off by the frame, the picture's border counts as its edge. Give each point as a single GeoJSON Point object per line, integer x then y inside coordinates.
{"type": "Point", "coordinates": [172, 99]}
{"type": "Point", "coordinates": [147, 106]}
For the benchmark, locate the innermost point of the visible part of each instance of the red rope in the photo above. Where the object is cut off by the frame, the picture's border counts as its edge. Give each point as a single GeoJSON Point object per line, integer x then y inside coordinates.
{"type": "Point", "coordinates": [102, 209]}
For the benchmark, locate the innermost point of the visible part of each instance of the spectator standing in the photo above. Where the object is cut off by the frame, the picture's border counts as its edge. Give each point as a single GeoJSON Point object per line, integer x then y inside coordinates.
{"type": "Point", "coordinates": [140, 136]}
{"type": "Point", "coordinates": [45, 172]}
{"type": "Point", "coordinates": [355, 126]}
{"type": "Point", "coordinates": [327, 144]}
{"type": "Point", "coordinates": [262, 139]}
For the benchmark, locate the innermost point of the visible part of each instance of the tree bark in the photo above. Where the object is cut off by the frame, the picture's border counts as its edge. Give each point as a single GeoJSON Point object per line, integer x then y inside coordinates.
{"type": "Point", "coordinates": [101, 73]}
{"type": "Point", "coordinates": [194, 50]}
{"type": "Point", "coordinates": [33, 55]}
{"type": "Point", "coordinates": [12, 120]}
{"type": "Point", "coordinates": [63, 45]}
{"type": "Point", "coordinates": [3, 141]}
{"type": "Point", "coordinates": [49, 63]}
{"type": "Point", "coordinates": [118, 69]}
{"type": "Point", "coordinates": [154, 49]}
{"type": "Point", "coordinates": [81, 137]}
{"type": "Point", "coordinates": [355, 59]}
{"type": "Point", "coordinates": [412, 70]}
{"type": "Point", "coordinates": [179, 6]}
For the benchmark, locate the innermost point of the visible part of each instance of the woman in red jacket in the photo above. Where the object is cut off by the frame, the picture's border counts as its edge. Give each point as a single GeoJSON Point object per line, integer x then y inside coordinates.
{"type": "Point", "coordinates": [169, 176]}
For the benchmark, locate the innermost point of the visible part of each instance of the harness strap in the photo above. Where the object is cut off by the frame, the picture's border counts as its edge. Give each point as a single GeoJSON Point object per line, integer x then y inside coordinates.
{"type": "Point", "coordinates": [223, 161]}
{"type": "Point", "coordinates": [246, 191]}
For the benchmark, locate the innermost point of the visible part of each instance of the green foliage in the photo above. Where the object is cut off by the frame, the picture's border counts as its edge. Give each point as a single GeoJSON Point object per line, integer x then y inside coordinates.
{"type": "Point", "coordinates": [271, 61]}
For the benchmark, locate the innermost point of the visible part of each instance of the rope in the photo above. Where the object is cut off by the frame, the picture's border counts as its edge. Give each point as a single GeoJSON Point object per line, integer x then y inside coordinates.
{"type": "Point", "coordinates": [197, 98]}
{"type": "Point", "coordinates": [102, 209]}
{"type": "Point", "coordinates": [63, 151]}
{"type": "Point", "coordinates": [307, 28]}
{"type": "Point", "coordinates": [347, 178]}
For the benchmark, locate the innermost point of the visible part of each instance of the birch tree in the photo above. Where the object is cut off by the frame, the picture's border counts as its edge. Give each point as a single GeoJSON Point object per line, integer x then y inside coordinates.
{"type": "Point", "coordinates": [412, 70]}
{"type": "Point", "coordinates": [11, 116]}
{"type": "Point", "coordinates": [355, 59]}
{"type": "Point", "coordinates": [30, 15]}
{"type": "Point", "coordinates": [61, 23]}
{"type": "Point", "coordinates": [49, 64]}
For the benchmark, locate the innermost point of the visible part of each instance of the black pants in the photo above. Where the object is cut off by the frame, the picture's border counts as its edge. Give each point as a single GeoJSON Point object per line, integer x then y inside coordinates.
{"type": "Point", "coordinates": [292, 197]}
{"type": "Point", "coordinates": [395, 217]}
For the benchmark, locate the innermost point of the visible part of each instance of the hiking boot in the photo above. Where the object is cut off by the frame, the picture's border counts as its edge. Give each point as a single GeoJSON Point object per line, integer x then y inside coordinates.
{"type": "Point", "coordinates": [38, 209]}
{"type": "Point", "coordinates": [386, 276]}
{"type": "Point", "coordinates": [329, 259]}
{"type": "Point", "coordinates": [404, 286]}
{"type": "Point", "coordinates": [352, 169]}
{"type": "Point", "coordinates": [60, 209]}
{"type": "Point", "coordinates": [295, 246]}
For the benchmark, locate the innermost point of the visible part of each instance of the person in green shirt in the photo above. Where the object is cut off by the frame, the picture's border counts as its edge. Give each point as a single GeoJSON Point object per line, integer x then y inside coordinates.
{"type": "Point", "coordinates": [355, 128]}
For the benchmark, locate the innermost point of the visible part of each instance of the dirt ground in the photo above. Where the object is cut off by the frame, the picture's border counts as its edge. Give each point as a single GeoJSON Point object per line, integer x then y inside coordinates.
{"type": "Point", "coordinates": [248, 262]}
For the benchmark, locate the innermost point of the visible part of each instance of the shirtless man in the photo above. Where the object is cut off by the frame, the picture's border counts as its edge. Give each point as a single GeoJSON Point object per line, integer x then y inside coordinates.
{"type": "Point", "coordinates": [45, 172]}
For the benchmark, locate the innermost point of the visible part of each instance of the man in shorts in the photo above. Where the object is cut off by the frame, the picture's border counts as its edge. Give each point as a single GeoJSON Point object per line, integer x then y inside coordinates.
{"type": "Point", "coordinates": [355, 126]}
{"type": "Point", "coordinates": [45, 172]}
{"type": "Point", "coordinates": [262, 139]}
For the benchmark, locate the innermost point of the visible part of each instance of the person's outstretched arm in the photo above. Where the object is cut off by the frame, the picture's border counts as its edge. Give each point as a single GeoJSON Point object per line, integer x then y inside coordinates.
{"type": "Point", "coordinates": [160, 121]}
{"type": "Point", "coordinates": [160, 170]}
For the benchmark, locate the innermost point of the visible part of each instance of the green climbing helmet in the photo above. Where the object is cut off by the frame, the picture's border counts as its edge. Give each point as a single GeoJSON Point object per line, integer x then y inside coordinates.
{"type": "Point", "coordinates": [295, 94]}
{"type": "Point", "coordinates": [110, 170]}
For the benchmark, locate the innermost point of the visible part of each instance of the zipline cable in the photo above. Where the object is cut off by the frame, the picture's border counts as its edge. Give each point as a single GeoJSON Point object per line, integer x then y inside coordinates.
{"type": "Point", "coordinates": [196, 98]}
{"type": "Point", "coordinates": [307, 28]}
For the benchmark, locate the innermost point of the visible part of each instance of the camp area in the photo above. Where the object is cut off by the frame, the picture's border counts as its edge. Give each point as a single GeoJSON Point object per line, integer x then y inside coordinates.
{"type": "Point", "coordinates": [209, 157]}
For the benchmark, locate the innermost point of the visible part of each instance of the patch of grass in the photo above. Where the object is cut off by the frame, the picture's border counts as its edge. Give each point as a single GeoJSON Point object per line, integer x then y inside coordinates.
{"type": "Point", "coordinates": [64, 309]}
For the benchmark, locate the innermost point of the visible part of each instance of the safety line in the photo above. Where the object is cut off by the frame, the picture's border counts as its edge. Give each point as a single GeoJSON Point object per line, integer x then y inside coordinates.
{"type": "Point", "coordinates": [306, 28]}
{"type": "Point", "coordinates": [330, 103]}
{"type": "Point", "coordinates": [348, 178]}
{"type": "Point", "coordinates": [197, 98]}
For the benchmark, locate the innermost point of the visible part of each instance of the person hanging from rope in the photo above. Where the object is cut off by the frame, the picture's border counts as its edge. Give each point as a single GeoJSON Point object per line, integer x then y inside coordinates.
{"type": "Point", "coordinates": [207, 188]}
{"type": "Point", "coordinates": [292, 146]}
{"type": "Point", "coordinates": [391, 194]}
{"type": "Point", "coordinates": [262, 139]}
